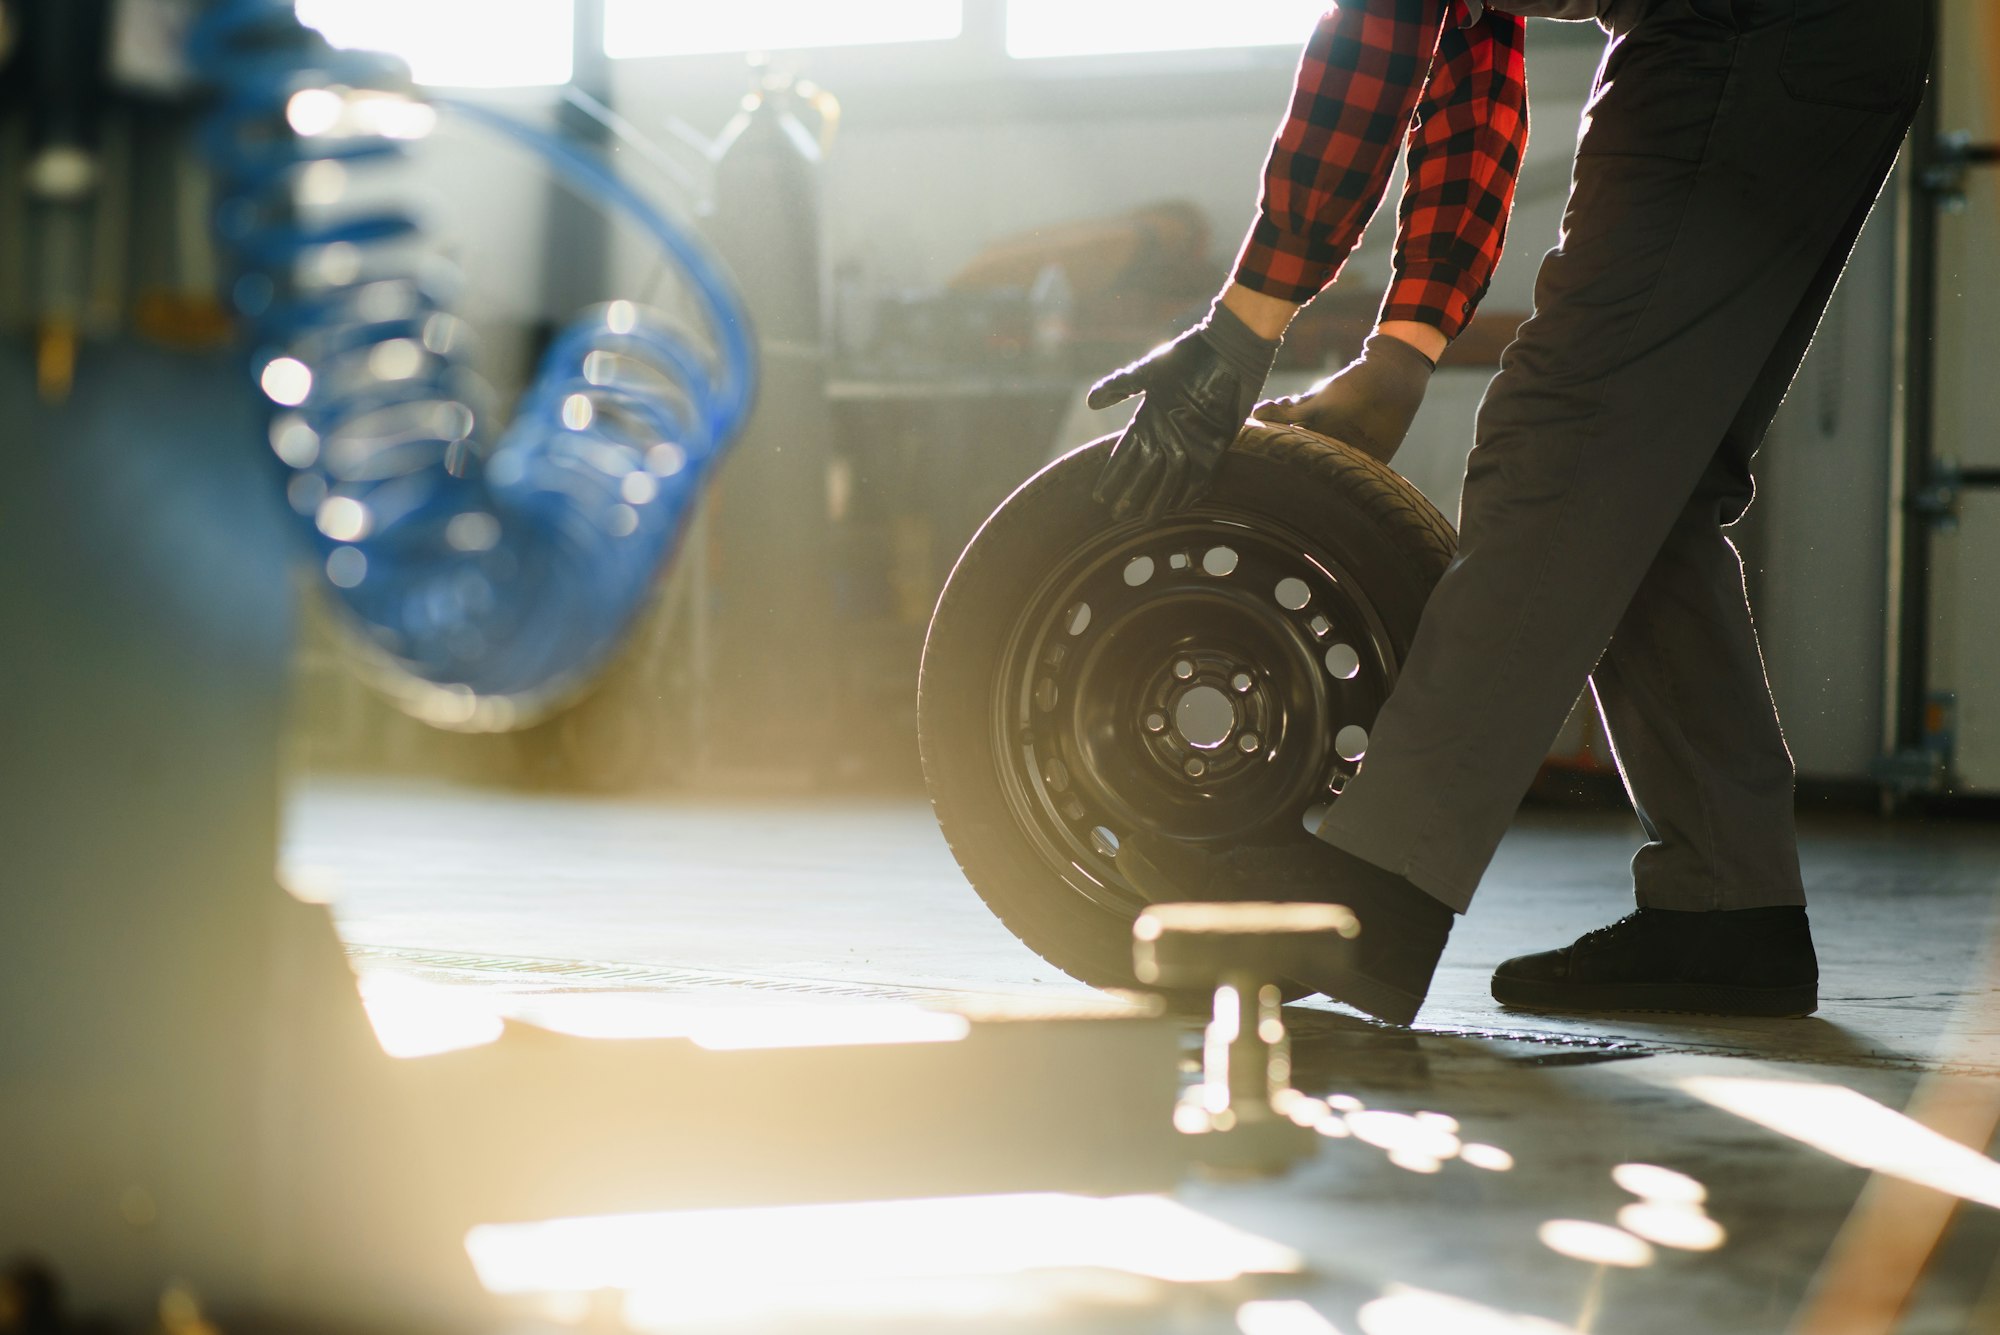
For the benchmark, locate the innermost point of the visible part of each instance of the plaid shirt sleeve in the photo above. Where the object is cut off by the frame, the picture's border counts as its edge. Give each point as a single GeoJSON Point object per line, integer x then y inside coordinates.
{"type": "Point", "coordinates": [1375, 73]}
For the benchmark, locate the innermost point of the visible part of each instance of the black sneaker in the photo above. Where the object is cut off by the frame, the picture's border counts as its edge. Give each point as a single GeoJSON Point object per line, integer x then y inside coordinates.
{"type": "Point", "coordinates": [1728, 962]}
{"type": "Point", "coordinates": [1403, 930]}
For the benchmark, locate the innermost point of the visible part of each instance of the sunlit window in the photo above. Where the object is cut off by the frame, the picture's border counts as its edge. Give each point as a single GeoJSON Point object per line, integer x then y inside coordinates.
{"type": "Point", "coordinates": [685, 27]}
{"type": "Point", "coordinates": [1108, 27]}
{"type": "Point", "coordinates": [465, 43]}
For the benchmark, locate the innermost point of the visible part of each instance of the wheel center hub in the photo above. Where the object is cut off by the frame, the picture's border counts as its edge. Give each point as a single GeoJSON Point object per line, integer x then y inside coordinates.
{"type": "Point", "coordinates": [1205, 718]}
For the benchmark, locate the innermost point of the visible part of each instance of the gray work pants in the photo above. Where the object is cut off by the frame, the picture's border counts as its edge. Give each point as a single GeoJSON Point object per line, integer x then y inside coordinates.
{"type": "Point", "coordinates": [1730, 153]}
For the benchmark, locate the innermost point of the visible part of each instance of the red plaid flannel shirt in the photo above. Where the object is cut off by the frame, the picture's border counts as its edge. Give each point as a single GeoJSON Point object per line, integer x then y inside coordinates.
{"type": "Point", "coordinates": [1375, 73]}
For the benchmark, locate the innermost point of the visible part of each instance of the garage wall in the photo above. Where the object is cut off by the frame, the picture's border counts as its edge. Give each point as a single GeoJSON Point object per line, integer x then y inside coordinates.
{"type": "Point", "coordinates": [1965, 636]}
{"type": "Point", "coordinates": [921, 178]}
{"type": "Point", "coordinates": [919, 182]}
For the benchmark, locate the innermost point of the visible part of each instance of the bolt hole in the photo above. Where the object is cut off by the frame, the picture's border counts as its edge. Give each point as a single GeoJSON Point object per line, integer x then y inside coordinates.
{"type": "Point", "coordinates": [1351, 742]}
{"type": "Point", "coordinates": [1138, 570]}
{"type": "Point", "coordinates": [1077, 619]}
{"type": "Point", "coordinates": [1293, 594]}
{"type": "Point", "coordinates": [1219, 561]}
{"type": "Point", "coordinates": [1104, 841]}
{"type": "Point", "coordinates": [1343, 662]}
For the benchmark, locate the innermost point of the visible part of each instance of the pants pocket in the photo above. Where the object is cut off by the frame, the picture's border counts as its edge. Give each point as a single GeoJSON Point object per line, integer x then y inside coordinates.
{"type": "Point", "coordinates": [1866, 55]}
{"type": "Point", "coordinates": [1721, 13]}
{"type": "Point", "coordinates": [1661, 84]}
{"type": "Point", "coordinates": [1551, 9]}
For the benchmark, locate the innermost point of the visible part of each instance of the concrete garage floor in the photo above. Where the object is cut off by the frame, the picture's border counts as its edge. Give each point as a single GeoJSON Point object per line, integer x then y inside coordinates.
{"type": "Point", "coordinates": [532, 898]}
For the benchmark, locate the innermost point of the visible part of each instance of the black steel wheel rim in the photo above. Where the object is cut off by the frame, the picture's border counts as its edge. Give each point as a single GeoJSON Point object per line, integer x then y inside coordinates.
{"type": "Point", "coordinates": [1183, 687]}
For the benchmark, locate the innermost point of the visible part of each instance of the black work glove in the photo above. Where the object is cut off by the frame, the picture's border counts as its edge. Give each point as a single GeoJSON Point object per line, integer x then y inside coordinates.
{"type": "Point", "coordinates": [1368, 403]}
{"type": "Point", "coordinates": [1199, 390]}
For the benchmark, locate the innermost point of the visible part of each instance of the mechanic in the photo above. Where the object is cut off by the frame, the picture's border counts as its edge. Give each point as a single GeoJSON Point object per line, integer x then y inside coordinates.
{"type": "Point", "coordinates": [1729, 154]}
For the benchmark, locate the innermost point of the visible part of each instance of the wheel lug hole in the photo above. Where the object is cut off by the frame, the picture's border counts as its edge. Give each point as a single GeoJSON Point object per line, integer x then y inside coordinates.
{"type": "Point", "coordinates": [1156, 723]}
{"type": "Point", "coordinates": [1195, 767]}
{"type": "Point", "coordinates": [1248, 743]}
{"type": "Point", "coordinates": [1241, 683]}
{"type": "Point", "coordinates": [1184, 670]}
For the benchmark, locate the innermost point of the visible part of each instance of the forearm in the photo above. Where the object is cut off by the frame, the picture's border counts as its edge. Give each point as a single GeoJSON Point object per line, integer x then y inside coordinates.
{"type": "Point", "coordinates": [1460, 94]}
{"type": "Point", "coordinates": [1425, 338]}
{"type": "Point", "coordinates": [1470, 132]}
{"type": "Point", "coordinates": [1270, 316]}
{"type": "Point", "coordinates": [1358, 85]}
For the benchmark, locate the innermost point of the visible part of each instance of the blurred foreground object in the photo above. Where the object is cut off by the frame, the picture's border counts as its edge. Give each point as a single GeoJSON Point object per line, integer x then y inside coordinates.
{"type": "Point", "coordinates": [189, 1087]}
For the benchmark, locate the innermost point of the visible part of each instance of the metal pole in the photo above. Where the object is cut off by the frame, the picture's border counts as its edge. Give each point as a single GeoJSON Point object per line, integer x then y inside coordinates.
{"type": "Point", "coordinates": [576, 259]}
{"type": "Point", "coordinates": [1914, 445]}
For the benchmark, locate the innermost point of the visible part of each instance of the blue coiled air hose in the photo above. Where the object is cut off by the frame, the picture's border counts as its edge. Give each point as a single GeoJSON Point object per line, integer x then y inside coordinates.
{"type": "Point", "coordinates": [488, 574]}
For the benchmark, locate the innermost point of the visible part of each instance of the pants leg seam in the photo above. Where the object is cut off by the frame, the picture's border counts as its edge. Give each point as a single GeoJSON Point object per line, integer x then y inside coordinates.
{"type": "Point", "coordinates": [1678, 704]}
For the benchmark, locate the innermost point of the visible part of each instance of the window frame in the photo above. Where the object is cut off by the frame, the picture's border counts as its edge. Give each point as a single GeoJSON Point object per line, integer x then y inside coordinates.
{"type": "Point", "coordinates": [1197, 58]}
{"type": "Point", "coordinates": [971, 76]}
{"type": "Point", "coordinates": [578, 57]}
{"type": "Point", "coordinates": [600, 7]}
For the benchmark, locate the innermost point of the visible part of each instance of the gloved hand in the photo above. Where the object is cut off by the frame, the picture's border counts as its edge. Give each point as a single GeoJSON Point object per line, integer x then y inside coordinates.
{"type": "Point", "coordinates": [1369, 403]}
{"type": "Point", "coordinates": [1199, 390]}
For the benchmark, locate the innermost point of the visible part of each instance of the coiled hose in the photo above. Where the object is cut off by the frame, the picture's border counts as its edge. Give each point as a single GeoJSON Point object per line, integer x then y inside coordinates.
{"type": "Point", "coordinates": [488, 573]}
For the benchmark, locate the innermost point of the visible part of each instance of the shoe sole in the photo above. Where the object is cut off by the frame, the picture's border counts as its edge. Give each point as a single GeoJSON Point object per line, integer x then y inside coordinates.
{"type": "Point", "coordinates": [1391, 1005]}
{"type": "Point", "coordinates": [1778, 1003]}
